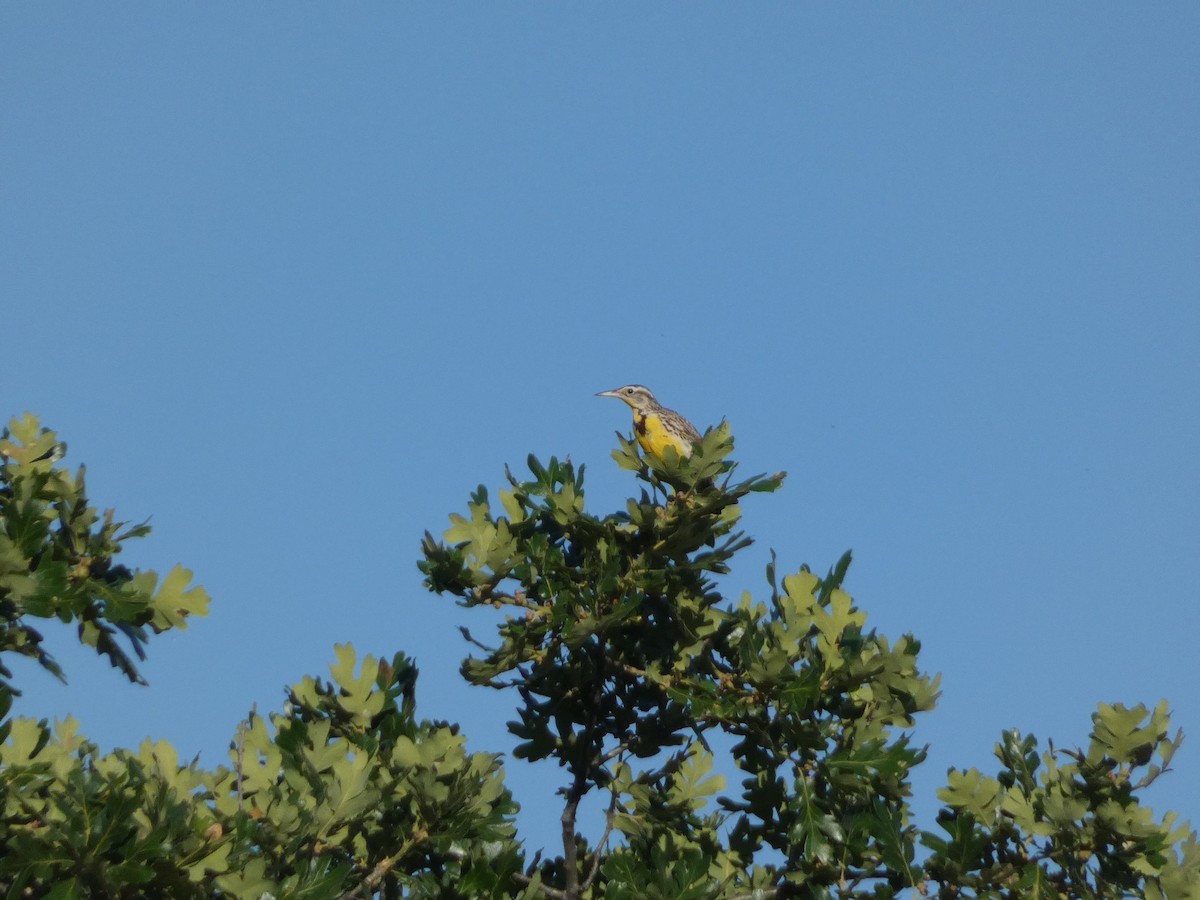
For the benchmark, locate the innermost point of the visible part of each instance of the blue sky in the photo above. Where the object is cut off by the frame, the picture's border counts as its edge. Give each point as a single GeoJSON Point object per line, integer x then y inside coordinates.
{"type": "Point", "coordinates": [293, 281]}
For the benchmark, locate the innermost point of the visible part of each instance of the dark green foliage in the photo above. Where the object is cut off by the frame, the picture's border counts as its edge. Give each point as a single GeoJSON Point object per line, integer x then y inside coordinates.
{"type": "Point", "coordinates": [624, 653]}
{"type": "Point", "coordinates": [626, 661]}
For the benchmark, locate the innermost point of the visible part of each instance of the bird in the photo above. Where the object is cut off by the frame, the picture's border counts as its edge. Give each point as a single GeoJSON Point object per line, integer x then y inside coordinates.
{"type": "Point", "coordinates": [656, 427]}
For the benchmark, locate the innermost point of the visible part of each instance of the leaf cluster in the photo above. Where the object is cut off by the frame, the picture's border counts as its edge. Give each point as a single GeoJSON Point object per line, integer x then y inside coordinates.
{"type": "Point", "coordinates": [344, 794]}
{"type": "Point", "coordinates": [625, 653]}
{"type": "Point", "coordinates": [1068, 823]}
{"type": "Point", "coordinates": [58, 561]}
{"type": "Point", "coordinates": [626, 656]}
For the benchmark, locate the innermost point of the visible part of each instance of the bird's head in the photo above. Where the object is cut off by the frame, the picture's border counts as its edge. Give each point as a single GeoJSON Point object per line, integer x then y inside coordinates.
{"type": "Point", "coordinates": [636, 395]}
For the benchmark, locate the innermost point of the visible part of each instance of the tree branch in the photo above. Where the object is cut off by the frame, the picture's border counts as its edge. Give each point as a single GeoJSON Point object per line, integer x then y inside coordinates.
{"type": "Point", "coordinates": [610, 818]}
{"type": "Point", "coordinates": [570, 848]}
{"type": "Point", "coordinates": [584, 768]}
{"type": "Point", "coordinates": [525, 881]}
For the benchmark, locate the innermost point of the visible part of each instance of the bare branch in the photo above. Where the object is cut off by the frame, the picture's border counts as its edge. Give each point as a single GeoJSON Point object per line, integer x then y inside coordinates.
{"type": "Point", "coordinates": [570, 847]}
{"type": "Point", "coordinates": [612, 754]}
{"type": "Point", "coordinates": [610, 818]}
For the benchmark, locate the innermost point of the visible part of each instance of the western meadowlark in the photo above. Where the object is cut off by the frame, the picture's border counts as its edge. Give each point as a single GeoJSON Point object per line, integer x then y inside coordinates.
{"type": "Point", "coordinates": [656, 427]}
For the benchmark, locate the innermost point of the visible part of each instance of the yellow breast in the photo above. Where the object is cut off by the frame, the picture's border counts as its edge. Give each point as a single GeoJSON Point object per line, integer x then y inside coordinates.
{"type": "Point", "coordinates": [655, 438]}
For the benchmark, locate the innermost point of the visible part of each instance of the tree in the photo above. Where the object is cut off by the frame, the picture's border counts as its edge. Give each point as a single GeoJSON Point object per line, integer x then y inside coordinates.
{"type": "Point", "coordinates": [344, 793]}
{"type": "Point", "coordinates": [628, 665]}
{"type": "Point", "coordinates": [624, 652]}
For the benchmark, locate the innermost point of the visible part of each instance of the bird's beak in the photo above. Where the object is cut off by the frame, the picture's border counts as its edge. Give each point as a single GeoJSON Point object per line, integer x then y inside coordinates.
{"type": "Point", "coordinates": [615, 392]}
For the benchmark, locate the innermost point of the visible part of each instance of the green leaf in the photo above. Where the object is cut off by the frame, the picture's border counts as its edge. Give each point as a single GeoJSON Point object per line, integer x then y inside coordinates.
{"type": "Point", "coordinates": [1119, 732]}
{"type": "Point", "coordinates": [26, 739]}
{"type": "Point", "coordinates": [973, 792]}
{"type": "Point", "coordinates": [174, 601]}
{"type": "Point", "coordinates": [67, 889]}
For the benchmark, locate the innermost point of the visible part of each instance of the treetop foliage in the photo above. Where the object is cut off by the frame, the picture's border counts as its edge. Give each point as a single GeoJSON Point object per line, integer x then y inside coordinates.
{"type": "Point", "coordinates": [629, 667]}
{"type": "Point", "coordinates": [624, 653]}
{"type": "Point", "coordinates": [57, 560]}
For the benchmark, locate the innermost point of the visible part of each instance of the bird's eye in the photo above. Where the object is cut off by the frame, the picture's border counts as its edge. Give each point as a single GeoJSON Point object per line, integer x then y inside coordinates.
{"type": "Point", "coordinates": [629, 390]}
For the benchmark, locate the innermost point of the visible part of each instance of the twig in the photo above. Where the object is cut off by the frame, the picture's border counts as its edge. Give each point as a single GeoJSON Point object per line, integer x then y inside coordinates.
{"type": "Point", "coordinates": [525, 881]}
{"type": "Point", "coordinates": [241, 750]}
{"type": "Point", "coordinates": [481, 646]}
{"type": "Point", "coordinates": [570, 848]}
{"type": "Point", "coordinates": [612, 754]}
{"type": "Point", "coordinates": [584, 771]}
{"type": "Point", "coordinates": [610, 818]}
{"type": "Point", "coordinates": [369, 885]}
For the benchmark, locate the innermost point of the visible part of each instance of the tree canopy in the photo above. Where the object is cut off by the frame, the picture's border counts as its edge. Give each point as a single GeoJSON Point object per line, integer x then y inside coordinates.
{"type": "Point", "coordinates": [628, 666]}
